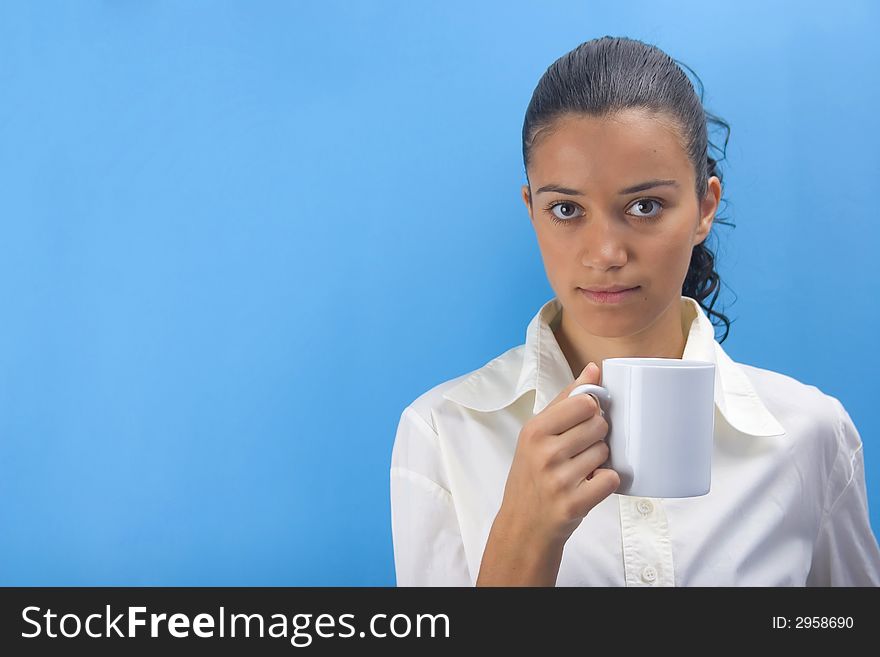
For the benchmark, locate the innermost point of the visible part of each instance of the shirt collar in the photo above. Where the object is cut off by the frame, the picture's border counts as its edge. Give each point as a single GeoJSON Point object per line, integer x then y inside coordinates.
{"type": "Point", "coordinates": [542, 367]}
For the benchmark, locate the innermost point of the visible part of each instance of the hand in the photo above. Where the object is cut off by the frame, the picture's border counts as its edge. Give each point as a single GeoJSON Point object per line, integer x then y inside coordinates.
{"type": "Point", "coordinates": [555, 478]}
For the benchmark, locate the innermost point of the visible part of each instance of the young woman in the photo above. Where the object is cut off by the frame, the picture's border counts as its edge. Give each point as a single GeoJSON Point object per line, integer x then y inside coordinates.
{"type": "Point", "coordinates": [496, 475]}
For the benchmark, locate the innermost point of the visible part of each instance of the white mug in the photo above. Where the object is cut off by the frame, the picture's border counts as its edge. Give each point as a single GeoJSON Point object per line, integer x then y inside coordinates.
{"type": "Point", "coordinates": [661, 424]}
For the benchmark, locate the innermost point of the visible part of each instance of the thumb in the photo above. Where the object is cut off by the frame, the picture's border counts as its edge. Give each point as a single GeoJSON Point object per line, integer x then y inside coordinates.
{"type": "Point", "coordinates": [590, 374]}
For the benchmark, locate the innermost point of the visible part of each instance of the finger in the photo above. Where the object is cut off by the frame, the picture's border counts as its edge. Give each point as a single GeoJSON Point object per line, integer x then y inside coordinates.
{"type": "Point", "coordinates": [582, 465]}
{"type": "Point", "coordinates": [589, 492]}
{"type": "Point", "coordinates": [590, 374]}
{"type": "Point", "coordinates": [599, 484]}
{"type": "Point", "coordinates": [567, 414]}
{"type": "Point", "coordinates": [581, 436]}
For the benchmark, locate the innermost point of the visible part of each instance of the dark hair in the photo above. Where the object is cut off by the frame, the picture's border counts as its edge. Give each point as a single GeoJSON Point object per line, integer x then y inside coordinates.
{"type": "Point", "coordinates": [608, 74]}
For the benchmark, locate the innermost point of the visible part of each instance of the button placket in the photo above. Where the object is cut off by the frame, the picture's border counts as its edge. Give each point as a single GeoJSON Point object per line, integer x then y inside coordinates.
{"type": "Point", "coordinates": [646, 543]}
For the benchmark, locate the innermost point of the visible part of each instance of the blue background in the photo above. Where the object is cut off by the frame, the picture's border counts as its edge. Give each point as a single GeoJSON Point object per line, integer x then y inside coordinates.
{"type": "Point", "coordinates": [239, 237]}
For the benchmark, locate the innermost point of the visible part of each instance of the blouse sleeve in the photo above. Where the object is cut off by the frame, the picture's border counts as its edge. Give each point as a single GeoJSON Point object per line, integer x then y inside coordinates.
{"type": "Point", "coordinates": [846, 551]}
{"type": "Point", "coordinates": [428, 549]}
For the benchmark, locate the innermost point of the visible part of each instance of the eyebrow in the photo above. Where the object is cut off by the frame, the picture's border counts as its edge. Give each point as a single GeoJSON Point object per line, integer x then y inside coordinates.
{"type": "Point", "coordinates": [648, 184]}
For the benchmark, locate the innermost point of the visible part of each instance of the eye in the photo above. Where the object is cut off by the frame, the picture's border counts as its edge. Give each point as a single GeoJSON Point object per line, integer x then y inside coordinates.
{"type": "Point", "coordinates": [567, 212]}
{"type": "Point", "coordinates": [642, 203]}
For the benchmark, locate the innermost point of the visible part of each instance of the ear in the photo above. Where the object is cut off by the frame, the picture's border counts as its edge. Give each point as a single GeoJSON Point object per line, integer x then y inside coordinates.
{"type": "Point", "coordinates": [527, 201]}
{"type": "Point", "coordinates": [708, 208]}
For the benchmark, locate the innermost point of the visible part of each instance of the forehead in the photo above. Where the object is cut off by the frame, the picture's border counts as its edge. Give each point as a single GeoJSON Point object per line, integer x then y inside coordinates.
{"type": "Point", "coordinates": [625, 146]}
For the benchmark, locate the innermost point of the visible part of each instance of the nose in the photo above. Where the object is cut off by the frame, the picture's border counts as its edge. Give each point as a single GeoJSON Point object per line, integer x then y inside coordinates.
{"type": "Point", "coordinates": [602, 244]}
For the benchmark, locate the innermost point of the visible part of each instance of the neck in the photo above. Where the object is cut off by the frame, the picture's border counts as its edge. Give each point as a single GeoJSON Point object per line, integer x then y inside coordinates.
{"type": "Point", "coordinates": [665, 338]}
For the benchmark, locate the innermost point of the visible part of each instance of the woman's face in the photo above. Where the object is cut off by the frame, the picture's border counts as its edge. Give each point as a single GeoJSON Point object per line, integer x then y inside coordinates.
{"type": "Point", "coordinates": [610, 236]}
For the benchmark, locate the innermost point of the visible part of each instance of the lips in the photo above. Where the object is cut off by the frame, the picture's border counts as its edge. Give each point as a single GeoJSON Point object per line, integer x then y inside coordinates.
{"type": "Point", "coordinates": [613, 288]}
{"type": "Point", "coordinates": [609, 295]}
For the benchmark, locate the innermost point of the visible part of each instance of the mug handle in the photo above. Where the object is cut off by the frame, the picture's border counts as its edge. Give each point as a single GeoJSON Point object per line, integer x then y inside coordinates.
{"type": "Point", "coordinates": [598, 393]}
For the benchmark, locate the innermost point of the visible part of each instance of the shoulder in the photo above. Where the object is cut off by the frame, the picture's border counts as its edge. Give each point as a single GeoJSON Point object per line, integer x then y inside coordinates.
{"type": "Point", "coordinates": [784, 390]}
{"type": "Point", "coordinates": [417, 442]}
{"type": "Point", "coordinates": [501, 371]}
{"type": "Point", "coordinates": [795, 402]}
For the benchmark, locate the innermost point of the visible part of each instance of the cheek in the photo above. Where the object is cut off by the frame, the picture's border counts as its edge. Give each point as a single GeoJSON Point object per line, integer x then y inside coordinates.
{"type": "Point", "coordinates": [554, 247]}
{"type": "Point", "coordinates": [670, 256]}
{"type": "Point", "coordinates": [558, 258]}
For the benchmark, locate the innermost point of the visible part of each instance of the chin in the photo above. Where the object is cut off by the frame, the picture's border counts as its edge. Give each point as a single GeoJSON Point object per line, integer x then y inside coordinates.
{"type": "Point", "coordinates": [613, 320]}
{"type": "Point", "coordinates": [612, 329]}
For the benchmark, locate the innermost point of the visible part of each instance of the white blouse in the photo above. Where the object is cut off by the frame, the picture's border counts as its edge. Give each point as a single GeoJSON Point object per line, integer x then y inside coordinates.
{"type": "Point", "coordinates": [787, 505]}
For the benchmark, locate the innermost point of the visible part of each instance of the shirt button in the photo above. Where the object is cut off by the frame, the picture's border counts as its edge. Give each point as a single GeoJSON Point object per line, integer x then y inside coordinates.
{"type": "Point", "coordinates": [649, 573]}
{"type": "Point", "coordinates": [645, 507]}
